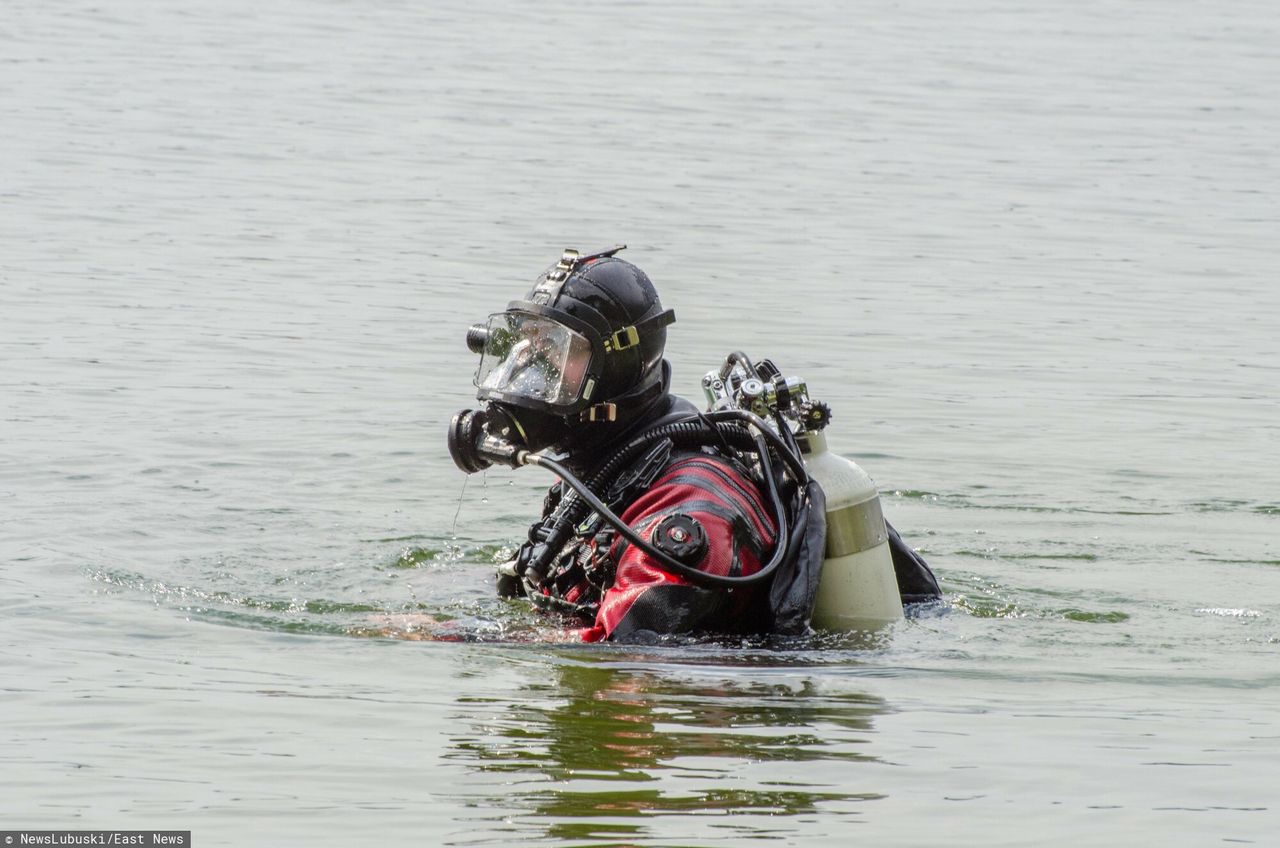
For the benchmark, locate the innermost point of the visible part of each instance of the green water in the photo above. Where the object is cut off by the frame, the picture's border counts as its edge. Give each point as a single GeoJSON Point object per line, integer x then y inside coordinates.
{"type": "Point", "coordinates": [1027, 253]}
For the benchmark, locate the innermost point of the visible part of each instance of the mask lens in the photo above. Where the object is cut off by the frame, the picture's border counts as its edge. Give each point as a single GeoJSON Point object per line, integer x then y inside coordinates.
{"type": "Point", "coordinates": [532, 357]}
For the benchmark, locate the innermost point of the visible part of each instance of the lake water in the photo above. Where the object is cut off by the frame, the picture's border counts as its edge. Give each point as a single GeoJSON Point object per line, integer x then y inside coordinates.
{"type": "Point", "coordinates": [1027, 251]}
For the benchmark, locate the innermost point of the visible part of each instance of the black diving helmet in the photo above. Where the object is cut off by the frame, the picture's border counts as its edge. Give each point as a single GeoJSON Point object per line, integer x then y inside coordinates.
{"type": "Point", "coordinates": [584, 345]}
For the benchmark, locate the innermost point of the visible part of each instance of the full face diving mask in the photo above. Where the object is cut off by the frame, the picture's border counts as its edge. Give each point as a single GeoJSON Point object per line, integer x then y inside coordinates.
{"type": "Point", "coordinates": [532, 361]}
{"type": "Point", "coordinates": [540, 368]}
{"type": "Point", "coordinates": [532, 372]}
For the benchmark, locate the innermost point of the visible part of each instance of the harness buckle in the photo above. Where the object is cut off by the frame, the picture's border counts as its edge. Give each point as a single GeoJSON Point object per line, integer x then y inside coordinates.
{"type": "Point", "coordinates": [601, 412]}
{"type": "Point", "coordinates": [548, 291]}
{"type": "Point", "coordinates": [625, 338]}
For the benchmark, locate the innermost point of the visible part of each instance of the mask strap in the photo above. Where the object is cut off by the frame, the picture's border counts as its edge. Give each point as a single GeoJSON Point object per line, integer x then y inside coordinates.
{"type": "Point", "coordinates": [629, 336]}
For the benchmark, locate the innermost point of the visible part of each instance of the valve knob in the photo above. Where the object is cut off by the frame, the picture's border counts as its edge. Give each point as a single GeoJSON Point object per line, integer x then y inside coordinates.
{"type": "Point", "coordinates": [817, 415]}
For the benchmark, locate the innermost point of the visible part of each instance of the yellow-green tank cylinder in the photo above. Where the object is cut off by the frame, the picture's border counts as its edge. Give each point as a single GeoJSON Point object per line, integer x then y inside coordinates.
{"type": "Point", "coordinates": [858, 589]}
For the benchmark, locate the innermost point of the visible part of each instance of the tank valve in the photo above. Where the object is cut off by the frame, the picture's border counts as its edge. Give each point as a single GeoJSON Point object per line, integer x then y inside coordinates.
{"type": "Point", "coordinates": [815, 415]}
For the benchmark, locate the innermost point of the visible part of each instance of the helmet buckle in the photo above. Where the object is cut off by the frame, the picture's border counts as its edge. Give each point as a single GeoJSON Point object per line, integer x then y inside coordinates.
{"type": "Point", "coordinates": [622, 339]}
{"type": "Point", "coordinates": [568, 261]}
{"type": "Point", "coordinates": [549, 290]}
{"type": "Point", "coordinates": [601, 412]}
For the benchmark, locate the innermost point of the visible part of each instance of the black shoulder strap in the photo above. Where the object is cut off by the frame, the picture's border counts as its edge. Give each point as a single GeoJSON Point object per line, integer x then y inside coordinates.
{"type": "Point", "coordinates": [639, 476]}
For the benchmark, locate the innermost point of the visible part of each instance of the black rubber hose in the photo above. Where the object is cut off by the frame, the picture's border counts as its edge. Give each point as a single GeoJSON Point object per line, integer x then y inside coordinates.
{"type": "Point", "coordinates": [782, 543]}
{"type": "Point", "coordinates": [682, 433]}
{"type": "Point", "coordinates": [793, 460]}
{"type": "Point", "coordinates": [693, 575]}
{"type": "Point", "coordinates": [573, 508]}
{"type": "Point", "coordinates": [727, 426]}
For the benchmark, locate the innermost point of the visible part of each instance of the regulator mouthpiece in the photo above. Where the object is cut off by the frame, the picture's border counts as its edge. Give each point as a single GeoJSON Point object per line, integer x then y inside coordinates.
{"type": "Point", "coordinates": [474, 448]}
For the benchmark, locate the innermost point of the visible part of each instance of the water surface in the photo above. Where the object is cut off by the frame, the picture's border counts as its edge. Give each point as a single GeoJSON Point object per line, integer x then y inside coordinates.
{"type": "Point", "coordinates": [1027, 253]}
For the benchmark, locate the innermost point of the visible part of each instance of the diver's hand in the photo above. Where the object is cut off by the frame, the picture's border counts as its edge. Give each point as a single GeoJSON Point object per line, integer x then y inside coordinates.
{"type": "Point", "coordinates": [509, 583]}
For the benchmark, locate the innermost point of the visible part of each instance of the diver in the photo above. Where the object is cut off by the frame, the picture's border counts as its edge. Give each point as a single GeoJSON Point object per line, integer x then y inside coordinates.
{"type": "Point", "coordinates": [666, 520]}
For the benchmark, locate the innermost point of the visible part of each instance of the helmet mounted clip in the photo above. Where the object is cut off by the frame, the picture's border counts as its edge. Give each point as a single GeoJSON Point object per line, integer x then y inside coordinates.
{"type": "Point", "coordinates": [549, 291]}
{"type": "Point", "coordinates": [622, 339]}
{"type": "Point", "coordinates": [600, 412]}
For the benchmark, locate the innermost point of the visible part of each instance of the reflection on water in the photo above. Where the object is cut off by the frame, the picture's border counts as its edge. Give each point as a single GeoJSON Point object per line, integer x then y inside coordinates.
{"type": "Point", "coordinates": [596, 750]}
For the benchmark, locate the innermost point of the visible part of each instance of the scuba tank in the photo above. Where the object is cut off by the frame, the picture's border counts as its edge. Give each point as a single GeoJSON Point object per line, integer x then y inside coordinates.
{"type": "Point", "coordinates": [858, 588]}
